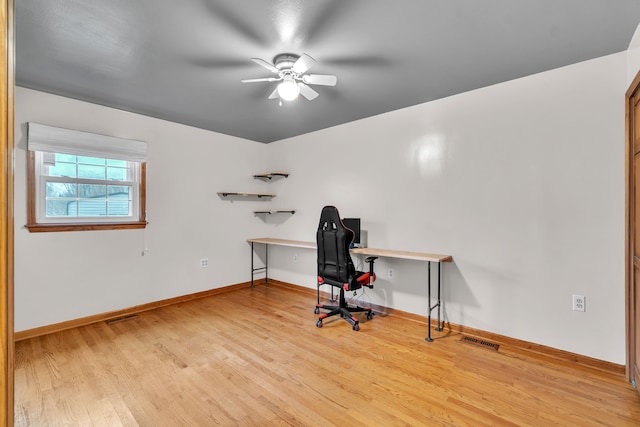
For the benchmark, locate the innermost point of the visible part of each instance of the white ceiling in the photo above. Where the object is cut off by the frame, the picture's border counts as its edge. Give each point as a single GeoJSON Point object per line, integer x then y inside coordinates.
{"type": "Point", "coordinates": [183, 60]}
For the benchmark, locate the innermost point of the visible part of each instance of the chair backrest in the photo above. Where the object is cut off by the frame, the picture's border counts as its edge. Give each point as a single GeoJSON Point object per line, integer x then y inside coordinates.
{"type": "Point", "coordinates": [334, 239]}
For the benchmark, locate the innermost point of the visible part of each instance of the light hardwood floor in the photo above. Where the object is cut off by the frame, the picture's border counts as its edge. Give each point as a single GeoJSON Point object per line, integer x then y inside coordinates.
{"type": "Point", "coordinates": [254, 357]}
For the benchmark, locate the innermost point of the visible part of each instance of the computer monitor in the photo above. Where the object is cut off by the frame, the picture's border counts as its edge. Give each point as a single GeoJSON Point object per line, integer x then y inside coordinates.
{"type": "Point", "coordinates": [354, 225]}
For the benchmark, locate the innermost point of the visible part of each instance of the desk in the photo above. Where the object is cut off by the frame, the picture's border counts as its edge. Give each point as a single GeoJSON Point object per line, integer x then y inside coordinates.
{"type": "Point", "coordinates": [418, 256]}
{"type": "Point", "coordinates": [266, 241]}
{"type": "Point", "coordinates": [387, 253]}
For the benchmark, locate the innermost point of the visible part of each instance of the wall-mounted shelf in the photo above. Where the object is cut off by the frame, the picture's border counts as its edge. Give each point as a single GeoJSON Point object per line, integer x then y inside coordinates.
{"type": "Point", "coordinates": [240, 194]}
{"type": "Point", "coordinates": [269, 175]}
{"type": "Point", "coordinates": [265, 177]}
{"type": "Point", "coordinates": [276, 211]}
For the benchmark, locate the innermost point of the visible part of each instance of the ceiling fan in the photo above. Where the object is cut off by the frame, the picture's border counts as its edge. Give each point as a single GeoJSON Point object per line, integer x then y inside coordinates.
{"type": "Point", "coordinates": [291, 70]}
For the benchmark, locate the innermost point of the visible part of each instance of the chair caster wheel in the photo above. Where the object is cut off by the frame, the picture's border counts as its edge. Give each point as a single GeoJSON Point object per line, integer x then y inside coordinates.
{"type": "Point", "coordinates": [319, 324]}
{"type": "Point", "coordinates": [369, 315]}
{"type": "Point", "coordinates": [356, 327]}
{"type": "Point", "coordinates": [316, 310]}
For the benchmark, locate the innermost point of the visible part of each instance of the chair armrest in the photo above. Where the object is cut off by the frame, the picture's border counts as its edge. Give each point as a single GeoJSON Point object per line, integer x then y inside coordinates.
{"type": "Point", "coordinates": [372, 275]}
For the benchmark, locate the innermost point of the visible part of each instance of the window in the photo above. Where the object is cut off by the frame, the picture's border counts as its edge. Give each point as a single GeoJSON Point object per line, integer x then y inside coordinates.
{"type": "Point", "coordinates": [83, 181]}
{"type": "Point", "coordinates": [85, 189]}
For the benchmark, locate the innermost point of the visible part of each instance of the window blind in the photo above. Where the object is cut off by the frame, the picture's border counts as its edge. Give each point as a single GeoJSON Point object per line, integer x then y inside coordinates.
{"type": "Point", "coordinates": [51, 139]}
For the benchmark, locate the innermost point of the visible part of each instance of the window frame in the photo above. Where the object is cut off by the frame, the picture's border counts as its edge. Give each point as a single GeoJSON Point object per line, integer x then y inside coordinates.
{"type": "Point", "coordinates": [69, 225]}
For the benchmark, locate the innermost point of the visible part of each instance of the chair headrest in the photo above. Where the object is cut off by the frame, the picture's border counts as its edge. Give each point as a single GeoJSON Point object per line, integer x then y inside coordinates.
{"type": "Point", "coordinates": [329, 217]}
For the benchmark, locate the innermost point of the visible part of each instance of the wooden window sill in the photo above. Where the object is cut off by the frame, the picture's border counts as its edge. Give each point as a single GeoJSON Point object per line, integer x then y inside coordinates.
{"type": "Point", "coordinates": [39, 228]}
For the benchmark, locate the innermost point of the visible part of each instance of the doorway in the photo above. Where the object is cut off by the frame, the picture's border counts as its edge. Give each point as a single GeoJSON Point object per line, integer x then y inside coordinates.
{"type": "Point", "coordinates": [633, 230]}
{"type": "Point", "coordinates": [6, 211]}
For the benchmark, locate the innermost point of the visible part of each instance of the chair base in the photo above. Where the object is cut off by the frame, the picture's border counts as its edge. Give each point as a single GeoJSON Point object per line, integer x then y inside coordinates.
{"type": "Point", "coordinates": [344, 310]}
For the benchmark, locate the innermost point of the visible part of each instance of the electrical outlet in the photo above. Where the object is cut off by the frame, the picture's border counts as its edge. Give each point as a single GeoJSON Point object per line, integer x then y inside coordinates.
{"type": "Point", "coordinates": [295, 257]}
{"type": "Point", "coordinates": [391, 272]}
{"type": "Point", "coordinates": [204, 262]}
{"type": "Point", "coordinates": [579, 303]}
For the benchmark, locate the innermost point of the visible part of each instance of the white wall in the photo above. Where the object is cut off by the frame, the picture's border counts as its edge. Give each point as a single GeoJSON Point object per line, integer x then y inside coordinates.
{"type": "Point", "coordinates": [69, 275]}
{"type": "Point", "coordinates": [633, 56]}
{"type": "Point", "coordinates": [522, 182]}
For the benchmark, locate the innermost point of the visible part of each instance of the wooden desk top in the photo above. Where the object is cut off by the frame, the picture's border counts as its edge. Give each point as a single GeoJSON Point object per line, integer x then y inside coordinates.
{"type": "Point", "coordinates": [283, 242]}
{"type": "Point", "coordinates": [388, 253]}
{"type": "Point", "coordinates": [418, 256]}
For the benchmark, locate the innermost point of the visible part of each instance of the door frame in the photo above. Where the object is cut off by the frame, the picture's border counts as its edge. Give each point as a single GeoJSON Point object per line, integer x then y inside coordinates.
{"type": "Point", "coordinates": [630, 314]}
{"type": "Point", "coordinates": [6, 211]}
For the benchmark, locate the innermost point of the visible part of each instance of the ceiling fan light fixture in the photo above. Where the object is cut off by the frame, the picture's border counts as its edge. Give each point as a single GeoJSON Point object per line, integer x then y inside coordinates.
{"type": "Point", "coordinates": [291, 70]}
{"type": "Point", "coordinates": [288, 89]}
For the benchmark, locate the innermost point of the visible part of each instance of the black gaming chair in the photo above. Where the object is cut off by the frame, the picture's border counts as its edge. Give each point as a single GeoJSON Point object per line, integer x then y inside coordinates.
{"type": "Point", "coordinates": [336, 268]}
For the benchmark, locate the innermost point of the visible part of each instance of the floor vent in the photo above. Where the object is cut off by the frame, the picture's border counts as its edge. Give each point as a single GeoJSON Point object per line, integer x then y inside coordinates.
{"type": "Point", "coordinates": [121, 319]}
{"type": "Point", "coordinates": [482, 343]}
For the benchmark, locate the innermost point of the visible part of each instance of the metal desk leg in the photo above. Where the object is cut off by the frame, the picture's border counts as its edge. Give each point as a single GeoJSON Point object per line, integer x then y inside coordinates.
{"type": "Point", "coordinates": [266, 264]}
{"type": "Point", "coordinates": [252, 269]}
{"type": "Point", "coordinates": [439, 326]}
{"type": "Point", "coordinates": [438, 303]}
{"type": "Point", "coordinates": [429, 339]}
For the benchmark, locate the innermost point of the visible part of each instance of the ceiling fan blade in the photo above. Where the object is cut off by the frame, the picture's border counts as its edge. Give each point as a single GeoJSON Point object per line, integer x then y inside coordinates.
{"type": "Point", "coordinates": [266, 65]}
{"type": "Point", "coordinates": [303, 64]}
{"type": "Point", "coordinates": [307, 92]}
{"type": "Point", "coordinates": [263, 79]}
{"type": "Point", "coordinates": [320, 79]}
{"type": "Point", "coordinates": [274, 94]}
